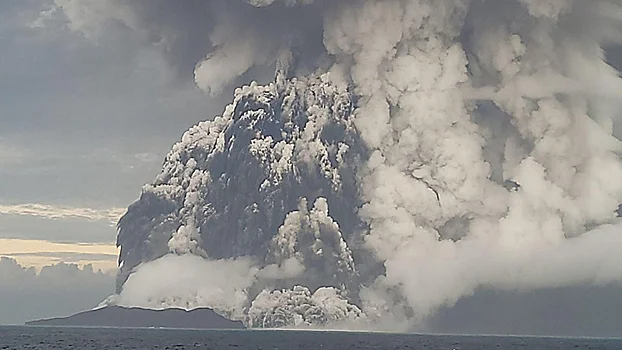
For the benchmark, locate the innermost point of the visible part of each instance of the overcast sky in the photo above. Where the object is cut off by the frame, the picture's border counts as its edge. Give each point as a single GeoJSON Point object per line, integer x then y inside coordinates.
{"type": "Point", "coordinates": [83, 125]}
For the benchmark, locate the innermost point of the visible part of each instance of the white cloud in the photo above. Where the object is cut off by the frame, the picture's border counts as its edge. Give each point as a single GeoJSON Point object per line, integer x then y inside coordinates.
{"type": "Point", "coordinates": [188, 282]}
{"type": "Point", "coordinates": [46, 211]}
{"type": "Point", "coordinates": [57, 290]}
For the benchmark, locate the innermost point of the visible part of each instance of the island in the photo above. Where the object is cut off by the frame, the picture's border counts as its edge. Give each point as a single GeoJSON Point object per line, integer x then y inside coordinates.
{"type": "Point", "coordinates": [116, 316]}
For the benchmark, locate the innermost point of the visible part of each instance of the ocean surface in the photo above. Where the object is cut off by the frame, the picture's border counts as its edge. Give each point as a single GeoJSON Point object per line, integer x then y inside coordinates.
{"type": "Point", "coordinates": [41, 338]}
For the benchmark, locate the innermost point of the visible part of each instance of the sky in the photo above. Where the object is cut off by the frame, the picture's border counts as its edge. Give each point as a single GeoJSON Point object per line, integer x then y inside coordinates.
{"type": "Point", "coordinates": [83, 125]}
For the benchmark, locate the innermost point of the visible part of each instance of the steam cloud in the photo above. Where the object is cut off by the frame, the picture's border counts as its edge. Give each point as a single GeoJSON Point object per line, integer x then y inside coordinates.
{"type": "Point", "coordinates": [190, 282]}
{"type": "Point", "coordinates": [489, 125]}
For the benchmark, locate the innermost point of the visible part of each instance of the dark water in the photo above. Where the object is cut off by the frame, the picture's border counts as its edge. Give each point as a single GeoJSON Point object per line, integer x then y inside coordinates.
{"type": "Point", "coordinates": [105, 339]}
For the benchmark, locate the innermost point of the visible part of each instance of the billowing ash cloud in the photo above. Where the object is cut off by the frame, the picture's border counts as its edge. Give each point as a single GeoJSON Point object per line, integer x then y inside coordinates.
{"type": "Point", "coordinates": [218, 40]}
{"type": "Point", "coordinates": [427, 147]}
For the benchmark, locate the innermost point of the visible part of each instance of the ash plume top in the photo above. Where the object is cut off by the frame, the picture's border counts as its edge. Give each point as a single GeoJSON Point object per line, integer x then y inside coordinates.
{"type": "Point", "coordinates": [485, 152]}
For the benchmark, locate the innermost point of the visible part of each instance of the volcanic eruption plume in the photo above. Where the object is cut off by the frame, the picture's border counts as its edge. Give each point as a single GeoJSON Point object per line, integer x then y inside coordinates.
{"type": "Point", "coordinates": [406, 153]}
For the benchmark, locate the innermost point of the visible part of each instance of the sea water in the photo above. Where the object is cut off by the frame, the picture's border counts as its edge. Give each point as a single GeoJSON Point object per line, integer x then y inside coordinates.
{"type": "Point", "coordinates": [43, 338]}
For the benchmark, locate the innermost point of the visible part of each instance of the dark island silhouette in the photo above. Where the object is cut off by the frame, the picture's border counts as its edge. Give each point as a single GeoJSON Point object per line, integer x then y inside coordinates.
{"type": "Point", "coordinates": [116, 316]}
